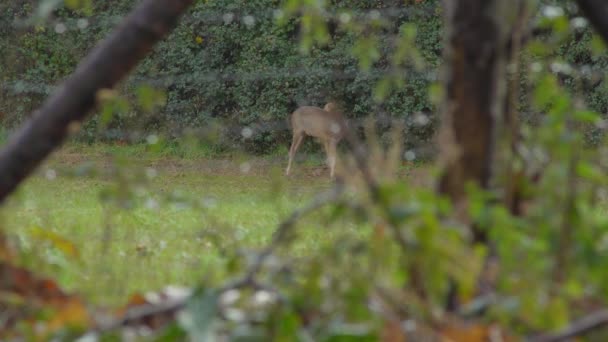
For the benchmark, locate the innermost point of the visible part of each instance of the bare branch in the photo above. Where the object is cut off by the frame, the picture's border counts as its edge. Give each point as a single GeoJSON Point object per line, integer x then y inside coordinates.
{"type": "Point", "coordinates": [68, 106]}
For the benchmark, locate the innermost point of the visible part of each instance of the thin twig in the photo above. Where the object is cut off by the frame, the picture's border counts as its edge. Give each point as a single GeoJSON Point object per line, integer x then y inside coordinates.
{"type": "Point", "coordinates": [286, 227]}
{"type": "Point", "coordinates": [593, 321]}
{"type": "Point", "coordinates": [142, 312]}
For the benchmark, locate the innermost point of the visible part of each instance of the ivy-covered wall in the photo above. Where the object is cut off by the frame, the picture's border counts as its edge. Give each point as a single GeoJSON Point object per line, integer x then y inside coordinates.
{"type": "Point", "coordinates": [229, 62]}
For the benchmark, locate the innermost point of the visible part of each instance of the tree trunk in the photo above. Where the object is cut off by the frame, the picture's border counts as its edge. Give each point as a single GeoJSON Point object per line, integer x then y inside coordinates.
{"type": "Point", "coordinates": [475, 84]}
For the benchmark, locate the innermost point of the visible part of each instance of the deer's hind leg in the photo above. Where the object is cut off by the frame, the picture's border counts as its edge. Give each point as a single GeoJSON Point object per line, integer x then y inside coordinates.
{"type": "Point", "coordinates": [330, 148]}
{"type": "Point", "coordinates": [295, 144]}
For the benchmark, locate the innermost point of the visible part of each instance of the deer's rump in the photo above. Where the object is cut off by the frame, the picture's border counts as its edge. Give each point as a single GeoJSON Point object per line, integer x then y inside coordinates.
{"type": "Point", "coordinates": [316, 122]}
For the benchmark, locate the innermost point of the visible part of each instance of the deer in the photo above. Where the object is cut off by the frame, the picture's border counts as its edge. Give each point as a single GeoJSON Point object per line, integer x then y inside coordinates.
{"type": "Point", "coordinates": [327, 125]}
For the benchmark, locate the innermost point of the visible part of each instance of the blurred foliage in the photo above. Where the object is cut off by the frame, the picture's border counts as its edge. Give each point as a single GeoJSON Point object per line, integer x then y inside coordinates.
{"type": "Point", "coordinates": [397, 252]}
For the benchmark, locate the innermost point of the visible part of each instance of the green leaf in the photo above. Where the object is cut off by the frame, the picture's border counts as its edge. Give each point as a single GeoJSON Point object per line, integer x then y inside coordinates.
{"type": "Point", "coordinates": [199, 316]}
{"type": "Point", "coordinates": [149, 98]}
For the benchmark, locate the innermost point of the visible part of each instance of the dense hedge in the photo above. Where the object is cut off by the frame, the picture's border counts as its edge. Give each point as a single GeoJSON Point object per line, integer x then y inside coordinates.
{"type": "Point", "coordinates": [228, 61]}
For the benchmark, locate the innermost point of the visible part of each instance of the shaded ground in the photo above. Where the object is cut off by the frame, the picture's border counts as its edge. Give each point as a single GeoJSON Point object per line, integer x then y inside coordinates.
{"type": "Point", "coordinates": [416, 173]}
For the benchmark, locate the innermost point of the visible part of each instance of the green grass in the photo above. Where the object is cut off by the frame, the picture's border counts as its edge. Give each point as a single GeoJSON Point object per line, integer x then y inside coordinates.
{"type": "Point", "coordinates": [159, 240]}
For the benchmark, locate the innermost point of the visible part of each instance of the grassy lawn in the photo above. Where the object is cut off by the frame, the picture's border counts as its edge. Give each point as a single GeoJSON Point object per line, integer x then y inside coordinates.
{"type": "Point", "coordinates": [142, 220]}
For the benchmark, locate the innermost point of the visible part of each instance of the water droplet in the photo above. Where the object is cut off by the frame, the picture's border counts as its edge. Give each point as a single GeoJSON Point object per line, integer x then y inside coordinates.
{"type": "Point", "coordinates": [60, 28]}
{"type": "Point", "coordinates": [249, 20]}
{"type": "Point", "coordinates": [579, 22]}
{"type": "Point", "coordinates": [151, 204]}
{"type": "Point", "coordinates": [186, 319]}
{"type": "Point", "coordinates": [335, 128]}
{"type": "Point", "coordinates": [562, 68]}
{"type": "Point", "coordinates": [50, 174]}
{"type": "Point", "coordinates": [177, 292]}
{"type": "Point", "coordinates": [409, 325]}
{"type": "Point", "coordinates": [263, 297]}
{"type": "Point", "coordinates": [278, 14]}
{"type": "Point", "coordinates": [552, 11]}
{"type": "Point", "coordinates": [234, 314]}
{"type": "Point", "coordinates": [345, 18]}
{"type": "Point", "coordinates": [410, 155]}
{"type": "Point", "coordinates": [229, 297]}
{"type": "Point", "coordinates": [228, 18]}
{"type": "Point", "coordinates": [151, 173]}
{"type": "Point", "coordinates": [209, 202]}
{"type": "Point", "coordinates": [245, 167]}
{"type": "Point", "coordinates": [421, 119]}
{"type": "Point", "coordinates": [82, 23]}
{"type": "Point", "coordinates": [152, 139]}
{"type": "Point", "coordinates": [246, 132]}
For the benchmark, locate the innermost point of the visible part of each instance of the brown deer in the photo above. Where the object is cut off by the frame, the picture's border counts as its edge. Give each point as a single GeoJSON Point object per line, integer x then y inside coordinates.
{"type": "Point", "coordinates": [327, 125]}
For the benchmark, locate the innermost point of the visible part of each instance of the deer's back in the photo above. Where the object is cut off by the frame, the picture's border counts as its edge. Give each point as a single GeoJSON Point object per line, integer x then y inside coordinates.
{"type": "Point", "coordinates": [318, 123]}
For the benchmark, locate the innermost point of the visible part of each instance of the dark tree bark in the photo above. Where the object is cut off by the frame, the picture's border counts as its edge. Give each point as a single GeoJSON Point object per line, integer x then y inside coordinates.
{"type": "Point", "coordinates": [475, 83]}
{"type": "Point", "coordinates": [102, 68]}
{"type": "Point", "coordinates": [514, 179]}
{"type": "Point", "coordinates": [597, 13]}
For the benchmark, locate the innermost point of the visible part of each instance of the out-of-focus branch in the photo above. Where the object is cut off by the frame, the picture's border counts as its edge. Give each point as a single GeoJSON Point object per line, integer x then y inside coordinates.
{"type": "Point", "coordinates": [68, 106]}
{"type": "Point", "coordinates": [593, 321]}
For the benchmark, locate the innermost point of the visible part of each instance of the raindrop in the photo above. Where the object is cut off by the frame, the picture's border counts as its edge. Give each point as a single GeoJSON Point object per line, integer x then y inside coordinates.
{"type": "Point", "coordinates": [209, 202]}
{"type": "Point", "coordinates": [263, 297]}
{"type": "Point", "coordinates": [152, 139]}
{"type": "Point", "coordinates": [536, 67]}
{"type": "Point", "coordinates": [246, 132]}
{"type": "Point", "coordinates": [234, 314]}
{"type": "Point", "coordinates": [82, 23]}
{"type": "Point", "coordinates": [230, 297]}
{"type": "Point", "coordinates": [278, 14]}
{"type": "Point", "coordinates": [228, 18]}
{"type": "Point", "coordinates": [421, 119]}
{"type": "Point", "coordinates": [185, 318]}
{"type": "Point", "coordinates": [151, 173]}
{"type": "Point", "coordinates": [409, 325]}
{"type": "Point", "coordinates": [60, 28]}
{"type": "Point", "coordinates": [245, 167]}
{"type": "Point", "coordinates": [335, 128]}
{"type": "Point", "coordinates": [552, 11]}
{"type": "Point", "coordinates": [410, 155]}
{"type": "Point", "coordinates": [563, 68]}
{"type": "Point", "coordinates": [151, 204]}
{"type": "Point", "coordinates": [249, 20]}
{"type": "Point", "coordinates": [579, 22]}
{"type": "Point", "coordinates": [345, 18]}
{"type": "Point", "coordinates": [177, 292]}
{"type": "Point", "coordinates": [50, 174]}
{"type": "Point", "coordinates": [374, 15]}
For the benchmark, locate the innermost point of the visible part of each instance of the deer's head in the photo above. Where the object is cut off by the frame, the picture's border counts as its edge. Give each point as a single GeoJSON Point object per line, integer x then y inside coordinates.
{"type": "Point", "coordinates": [331, 107]}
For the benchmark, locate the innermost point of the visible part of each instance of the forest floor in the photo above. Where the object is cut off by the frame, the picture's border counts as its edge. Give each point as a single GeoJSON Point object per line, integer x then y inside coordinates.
{"type": "Point", "coordinates": [108, 223]}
